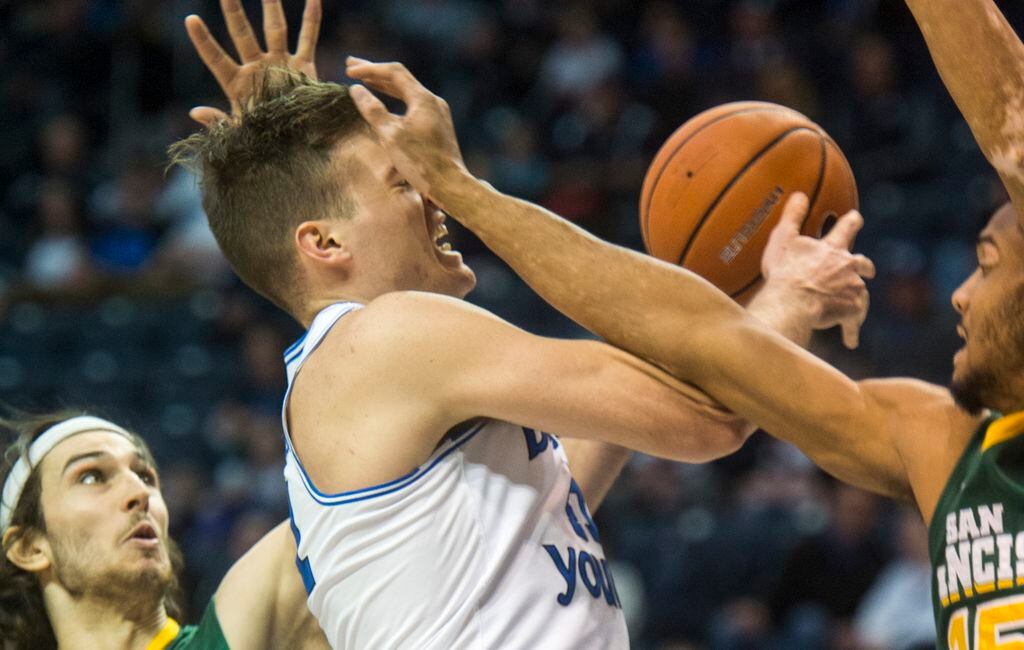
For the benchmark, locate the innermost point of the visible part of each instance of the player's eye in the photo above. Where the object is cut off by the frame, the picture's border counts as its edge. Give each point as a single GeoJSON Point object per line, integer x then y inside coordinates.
{"type": "Point", "coordinates": [147, 475]}
{"type": "Point", "coordinates": [91, 477]}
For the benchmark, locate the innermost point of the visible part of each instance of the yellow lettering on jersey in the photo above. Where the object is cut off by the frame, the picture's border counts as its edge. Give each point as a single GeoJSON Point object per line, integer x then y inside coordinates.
{"type": "Point", "coordinates": [1003, 429]}
{"type": "Point", "coordinates": [998, 624]}
{"type": "Point", "coordinates": [956, 637]}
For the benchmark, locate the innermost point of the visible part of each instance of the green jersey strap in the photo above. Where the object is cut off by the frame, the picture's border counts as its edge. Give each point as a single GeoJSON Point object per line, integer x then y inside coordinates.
{"type": "Point", "coordinates": [205, 636]}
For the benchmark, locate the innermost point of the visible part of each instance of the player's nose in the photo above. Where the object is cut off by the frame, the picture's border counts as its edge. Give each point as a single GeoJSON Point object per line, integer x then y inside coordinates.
{"type": "Point", "coordinates": [136, 493]}
{"type": "Point", "coordinates": [962, 296]}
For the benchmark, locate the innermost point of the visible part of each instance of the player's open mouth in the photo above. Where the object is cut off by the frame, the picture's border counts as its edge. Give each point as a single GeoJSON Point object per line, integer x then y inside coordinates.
{"type": "Point", "coordinates": [439, 237]}
{"type": "Point", "coordinates": [144, 534]}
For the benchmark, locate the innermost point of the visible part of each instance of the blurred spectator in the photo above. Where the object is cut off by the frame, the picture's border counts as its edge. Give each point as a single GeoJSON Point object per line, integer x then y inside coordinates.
{"type": "Point", "coordinates": [889, 131]}
{"type": "Point", "coordinates": [664, 64]}
{"type": "Point", "coordinates": [127, 231]}
{"type": "Point", "coordinates": [581, 59]}
{"type": "Point", "coordinates": [896, 613]}
{"type": "Point", "coordinates": [58, 258]}
{"type": "Point", "coordinates": [826, 575]}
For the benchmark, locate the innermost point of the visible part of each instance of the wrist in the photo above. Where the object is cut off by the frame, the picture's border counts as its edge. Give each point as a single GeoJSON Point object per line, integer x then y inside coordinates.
{"type": "Point", "coordinates": [456, 187]}
{"type": "Point", "coordinates": [785, 311]}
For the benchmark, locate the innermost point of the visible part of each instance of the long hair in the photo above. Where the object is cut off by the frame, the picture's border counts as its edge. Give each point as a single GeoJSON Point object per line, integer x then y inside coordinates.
{"type": "Point", "coordinates": [24, 623]}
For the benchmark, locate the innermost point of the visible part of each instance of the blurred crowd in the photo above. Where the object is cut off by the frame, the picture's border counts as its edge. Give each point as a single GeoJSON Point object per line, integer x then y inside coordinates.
{"type": "Point", "coordinates": [113, 294]}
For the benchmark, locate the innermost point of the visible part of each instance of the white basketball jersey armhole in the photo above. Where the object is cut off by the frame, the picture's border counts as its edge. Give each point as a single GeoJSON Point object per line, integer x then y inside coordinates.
{"type": "Point", "coordinates": [299, 351]}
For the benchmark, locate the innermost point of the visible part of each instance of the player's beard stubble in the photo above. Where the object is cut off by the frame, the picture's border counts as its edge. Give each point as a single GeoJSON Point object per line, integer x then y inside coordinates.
{"type": "Point", "coordinates": [991, 385]}
{"type": "Point", "coordinates": [85, 569]}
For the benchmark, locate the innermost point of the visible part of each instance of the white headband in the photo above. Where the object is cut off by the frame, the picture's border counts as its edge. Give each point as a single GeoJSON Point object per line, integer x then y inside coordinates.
{"type": "Point", "coordinates": [15, 483]}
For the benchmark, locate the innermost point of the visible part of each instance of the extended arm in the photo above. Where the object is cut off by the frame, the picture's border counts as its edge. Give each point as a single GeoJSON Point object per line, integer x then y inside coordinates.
{"type": "Point", "coordinates": [894, 438]}
{"type": "Point", "coordinates": [981, 61]}
{"type": "Point", "coordinates": [236, 79]}
{"type": "Point", "coordinates": [804, 290]}
{"type": "Point", "coordinates": [261, 603]}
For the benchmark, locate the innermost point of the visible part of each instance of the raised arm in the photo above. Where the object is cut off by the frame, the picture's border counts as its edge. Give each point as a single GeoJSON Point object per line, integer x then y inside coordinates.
{"type": "Point", "coordinates": [236, 79]}
{"type": "Point", "coordinates": [261, 603]}
{"type": "Point", "coordinates": [806, 288]}
{"type": "Point", "coordinates": [892, 437]}
{"type": "Point", "coordinates": [981, 61]}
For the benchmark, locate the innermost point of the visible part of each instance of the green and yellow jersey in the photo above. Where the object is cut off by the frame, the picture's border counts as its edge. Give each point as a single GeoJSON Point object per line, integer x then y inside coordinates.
{"type": "Point", "coordinates": [976, 542]}
{"type": "Point", "coordinates": [205, 636]}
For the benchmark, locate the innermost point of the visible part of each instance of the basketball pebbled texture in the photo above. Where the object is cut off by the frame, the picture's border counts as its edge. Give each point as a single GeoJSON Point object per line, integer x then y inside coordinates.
{"type": "Point", "coordinates": [717, 186]}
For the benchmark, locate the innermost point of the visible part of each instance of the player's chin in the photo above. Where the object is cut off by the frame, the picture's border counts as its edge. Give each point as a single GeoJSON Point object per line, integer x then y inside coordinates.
{"type": "Point", "coordinates": [465, 282]}
{"type": "Point", "coordinates": [959, 363]}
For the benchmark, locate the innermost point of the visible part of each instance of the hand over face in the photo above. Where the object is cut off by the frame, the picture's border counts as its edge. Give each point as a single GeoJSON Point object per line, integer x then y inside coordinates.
{"type": "Point", "coordinates": [821, 273]}
{"type": "Point", "coordinates": [237, 80]}
{"type": "Point", "coordinates": [421, 143]}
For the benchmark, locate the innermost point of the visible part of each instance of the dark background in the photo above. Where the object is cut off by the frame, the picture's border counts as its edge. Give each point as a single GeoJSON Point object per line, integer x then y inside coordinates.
{"type": "Point", "coordinates": [114, 295]}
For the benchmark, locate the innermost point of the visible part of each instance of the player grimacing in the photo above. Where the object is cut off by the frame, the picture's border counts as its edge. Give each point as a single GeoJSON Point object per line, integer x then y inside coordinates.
{"type": "Point", "coordinates": [408, 484]}
{"type": "Point", "coordinates": [956, 452]}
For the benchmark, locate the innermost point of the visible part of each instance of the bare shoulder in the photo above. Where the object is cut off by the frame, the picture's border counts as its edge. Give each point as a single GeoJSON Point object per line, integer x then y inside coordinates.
{"type": "Point", "coordinates": [370, 402]}
{"type": "Point", "coordinates": [930, 432]}
{"type": "Point", "coordinates": [399, 322]}
{"type": "Point", "coordinates": [922, 408]}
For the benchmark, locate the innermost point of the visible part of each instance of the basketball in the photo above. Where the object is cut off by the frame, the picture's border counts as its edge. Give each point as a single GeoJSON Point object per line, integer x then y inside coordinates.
{"type": "Point", "coordinates": [717, 186]}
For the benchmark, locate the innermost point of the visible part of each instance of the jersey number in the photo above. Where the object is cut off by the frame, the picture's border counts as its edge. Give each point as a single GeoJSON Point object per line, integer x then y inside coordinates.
{"type": "Point", "coordinates": [998, 625]}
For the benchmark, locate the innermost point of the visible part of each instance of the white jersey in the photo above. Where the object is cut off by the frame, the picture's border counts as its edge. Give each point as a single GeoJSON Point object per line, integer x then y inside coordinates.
{"type": "Point", "coordinates": [487, 544]}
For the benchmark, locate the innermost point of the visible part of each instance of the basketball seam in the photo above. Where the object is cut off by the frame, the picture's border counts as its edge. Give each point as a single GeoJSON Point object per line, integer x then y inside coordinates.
{"type": "Point", "coordinates": [743, 170]}
{"type": "Point", "coordinates": [645, 217]}
{"type": "Point", "coordinates": [810, 211]}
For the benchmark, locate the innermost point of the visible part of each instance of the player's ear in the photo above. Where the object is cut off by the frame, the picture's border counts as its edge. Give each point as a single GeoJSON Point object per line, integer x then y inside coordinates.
{"type": "Point", "coordinates": [28, 550]}
{"type": "Point", "coordinates": [322, 242]}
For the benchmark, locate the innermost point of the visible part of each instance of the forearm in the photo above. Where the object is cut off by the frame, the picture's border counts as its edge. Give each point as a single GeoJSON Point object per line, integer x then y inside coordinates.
{"type": "Point", "coordinates": [595, 466]}
{"type": "Point", "coordinates": [664, 314]}
{"type": "Point", "coordinates": [782, 313]}
{"type": "Point", "coordinates": [981, 61]}
{"type": "Point", "coordinates": [625, 297]}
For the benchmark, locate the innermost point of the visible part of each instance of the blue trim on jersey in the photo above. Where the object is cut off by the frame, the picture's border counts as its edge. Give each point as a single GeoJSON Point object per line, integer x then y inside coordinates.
{"type": "Point", "coordinates": [294, 346]}
{"type": "Point", "coordinates": [301, 563]}
{"type": "Point", "coordinates": [379, 490]}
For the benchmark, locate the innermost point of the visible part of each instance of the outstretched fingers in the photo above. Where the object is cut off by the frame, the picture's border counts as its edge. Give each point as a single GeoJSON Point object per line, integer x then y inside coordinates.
{"type": "Point", "coordinates": [310, 30]}
{"type": "Point", "coordinates": [371, 108]}
{"type": "Point", "coordinates": [213, 55]}
{"type": "Point", "coordinates": [275, 27]}
{"type": "Point", "coordinates": [240, 30]}
{"type": "Point", "coordinates": [793, 214]}
{"type": "Point", "coordinates": [850, 326]}
{"type": "Point", "coordinates": [864, 266]}
{"type": "Point", "coordinates": [844, 232]}
{"type": "Point", "coordinates": [392, 79]}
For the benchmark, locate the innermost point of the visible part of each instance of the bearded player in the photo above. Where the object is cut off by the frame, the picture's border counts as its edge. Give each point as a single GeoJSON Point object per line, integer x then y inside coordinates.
{"type": "Point", "coordinates": [424, 518]}
{"type": "Point", "coordinates": [87, 561]}
{"type": "Point", "coordinates": [955, 451]}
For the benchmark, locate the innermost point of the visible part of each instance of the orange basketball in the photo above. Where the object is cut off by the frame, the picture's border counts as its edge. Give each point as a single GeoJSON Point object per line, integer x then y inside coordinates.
{"type": "Point", "coordinates": [717, 186]}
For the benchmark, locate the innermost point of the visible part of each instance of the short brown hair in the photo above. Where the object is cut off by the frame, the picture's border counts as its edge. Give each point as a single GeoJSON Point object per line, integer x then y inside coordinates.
{"type": "Point", "coordinates": [268, 170]}
{"type": "Point", "coordinates": [24, 622]}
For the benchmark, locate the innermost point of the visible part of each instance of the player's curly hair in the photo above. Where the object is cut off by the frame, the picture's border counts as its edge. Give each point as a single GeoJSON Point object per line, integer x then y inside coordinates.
{"type": "Point", "coordinates": [24, 623]}
{"type": "Point", "coordinates": [267, 170]}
